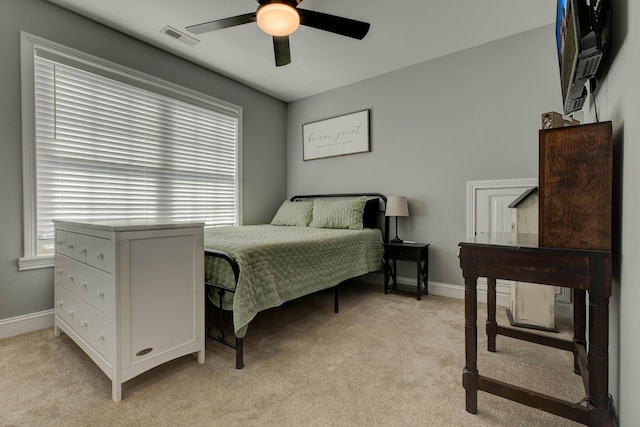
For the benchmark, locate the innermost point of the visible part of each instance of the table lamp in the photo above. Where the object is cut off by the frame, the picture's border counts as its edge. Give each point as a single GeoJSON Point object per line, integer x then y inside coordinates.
{"type": "Point", "coordinates": [397, 206]}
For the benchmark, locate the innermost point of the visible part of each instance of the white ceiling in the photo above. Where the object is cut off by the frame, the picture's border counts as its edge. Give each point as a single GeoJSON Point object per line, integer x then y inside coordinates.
{"type": "Point", "coordinates": [403, 33]}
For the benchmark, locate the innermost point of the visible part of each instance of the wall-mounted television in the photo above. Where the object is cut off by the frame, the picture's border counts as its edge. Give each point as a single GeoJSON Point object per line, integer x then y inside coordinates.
{"type": "Point", "coordinates": [582, 38]}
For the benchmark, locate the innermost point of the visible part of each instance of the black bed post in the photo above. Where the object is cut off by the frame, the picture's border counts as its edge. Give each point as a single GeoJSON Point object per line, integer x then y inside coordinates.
{"type": "Point", "coordinates": [239, 353]}
{"type": "Point", "coordinates": [221, 312]}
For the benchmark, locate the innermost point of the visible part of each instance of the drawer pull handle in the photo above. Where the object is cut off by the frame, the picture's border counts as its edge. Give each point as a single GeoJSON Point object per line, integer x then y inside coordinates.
{"type": "Point", "coordinates": [99, 255]}
{"type": "Point", "coordinates": [100, 293]}
{"type": "Point", "coordinates": [59, 270]}
{"type": "Point", "coordinates": [144, 351]}
{"type": "Point", "coordinates": [84, 323]}
{"type": "Point", "coordinates": [59, 302]}
{"type": "Point", "coordinates": [83, 285]}
{"type": "Point", "coordinates": [83, 250]}
{"type": "Point", "coordinates": [70, 277]}
{"type": "Point", "coordinates": [70, 247]}
{"type": "Point", "coordinates": [70, 312]}
{"type": "Point", "coordinates": [100, 336]}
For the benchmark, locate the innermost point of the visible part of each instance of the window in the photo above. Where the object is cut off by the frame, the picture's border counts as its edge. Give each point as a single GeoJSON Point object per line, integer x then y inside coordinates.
{"type": "Point", "coordinates": [104, 142]}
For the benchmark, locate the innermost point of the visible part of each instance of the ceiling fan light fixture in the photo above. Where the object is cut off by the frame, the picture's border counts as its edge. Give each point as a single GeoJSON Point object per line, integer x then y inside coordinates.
{"type": "Point", "coordinates": [278, 19]}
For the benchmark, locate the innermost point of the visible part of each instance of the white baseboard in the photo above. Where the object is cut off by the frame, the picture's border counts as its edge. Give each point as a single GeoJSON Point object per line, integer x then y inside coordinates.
{"type": "Point", "coordinates": [456, 291]}
{"type": "Point", "coordinates": [26, 323]}
{"type": "Point", "coordinates": [503, 292]}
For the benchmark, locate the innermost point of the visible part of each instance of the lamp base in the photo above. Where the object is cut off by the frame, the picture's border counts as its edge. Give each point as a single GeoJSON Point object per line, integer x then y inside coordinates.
{"type": "Point", "coordinates": [396, 239]}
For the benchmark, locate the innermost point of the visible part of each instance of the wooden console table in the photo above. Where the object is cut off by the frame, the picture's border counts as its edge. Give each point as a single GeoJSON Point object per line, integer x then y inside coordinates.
{"type": "Point", "coordinates": [518, 257]}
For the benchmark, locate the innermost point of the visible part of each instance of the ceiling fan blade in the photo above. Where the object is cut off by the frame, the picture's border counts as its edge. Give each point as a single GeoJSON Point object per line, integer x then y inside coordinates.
{"type": "Point", "coordinates": [222, 23]}
{"type": "Point", "coordinates": [334, 24]}
{"type": "Point", "coordinates": [281, 50]}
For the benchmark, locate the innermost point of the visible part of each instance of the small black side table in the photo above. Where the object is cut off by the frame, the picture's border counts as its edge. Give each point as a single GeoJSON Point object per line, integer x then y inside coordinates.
{"type": "Point", "coordinates": [416, 252]}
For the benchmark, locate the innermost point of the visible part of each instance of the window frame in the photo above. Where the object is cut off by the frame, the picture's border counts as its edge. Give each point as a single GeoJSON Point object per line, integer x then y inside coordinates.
{"type": "Point", "coordinates": [28, 46]}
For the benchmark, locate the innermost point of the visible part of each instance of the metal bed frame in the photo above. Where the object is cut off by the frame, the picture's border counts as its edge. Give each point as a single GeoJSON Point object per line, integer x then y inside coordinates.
{"type": "Point", "coordinates": [238, 345]}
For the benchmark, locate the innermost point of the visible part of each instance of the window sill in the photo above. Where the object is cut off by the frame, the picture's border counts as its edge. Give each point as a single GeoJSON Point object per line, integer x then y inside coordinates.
{"type": "Point", "coordinates": [32, 263]}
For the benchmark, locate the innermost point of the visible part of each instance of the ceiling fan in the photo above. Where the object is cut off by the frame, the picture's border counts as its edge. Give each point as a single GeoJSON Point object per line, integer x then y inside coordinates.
{"type": "Point", "coordinates": [280, 18]}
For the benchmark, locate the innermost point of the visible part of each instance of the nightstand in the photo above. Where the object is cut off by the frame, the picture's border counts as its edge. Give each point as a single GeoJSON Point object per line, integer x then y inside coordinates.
{"type": "Point", "coordinates": [416, 252]}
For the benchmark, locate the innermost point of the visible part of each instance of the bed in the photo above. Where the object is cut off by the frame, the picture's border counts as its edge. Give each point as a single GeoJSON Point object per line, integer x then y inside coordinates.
{"type": "Point", "coordinates": [314, 242]}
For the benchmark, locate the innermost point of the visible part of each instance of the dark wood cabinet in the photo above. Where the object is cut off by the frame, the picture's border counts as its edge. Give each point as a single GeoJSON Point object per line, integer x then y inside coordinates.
{"type": "Point", "coordinates": [576, 170]}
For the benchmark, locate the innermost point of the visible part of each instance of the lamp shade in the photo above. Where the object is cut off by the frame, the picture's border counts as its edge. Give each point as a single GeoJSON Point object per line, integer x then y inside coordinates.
{"type": "Point", "coordinates": [278, 19]}
{"type": "Point", "coordinates": [397, 206]}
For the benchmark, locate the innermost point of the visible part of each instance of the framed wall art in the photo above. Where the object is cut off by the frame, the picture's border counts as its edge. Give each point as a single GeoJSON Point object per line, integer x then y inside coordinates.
{"type": "Point", "coordinates": [336, 136]}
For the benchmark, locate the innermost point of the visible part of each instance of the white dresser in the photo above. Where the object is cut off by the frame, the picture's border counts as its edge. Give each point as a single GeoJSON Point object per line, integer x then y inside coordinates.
{"type": "Point", "coordinates": [130, 294]}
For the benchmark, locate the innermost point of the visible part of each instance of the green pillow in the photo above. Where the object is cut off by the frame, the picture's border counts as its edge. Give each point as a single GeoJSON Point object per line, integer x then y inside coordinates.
{"type": "Point", "coordinates": [338, 213]}
{"type": "Point", "coordinates": [293, 213]}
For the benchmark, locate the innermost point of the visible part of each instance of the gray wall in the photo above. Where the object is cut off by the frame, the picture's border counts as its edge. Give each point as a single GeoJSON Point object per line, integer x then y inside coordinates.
{"type": "Point", "coordinates": [263, 160]}
{"type": "Point", "coordinates": [469, 116]}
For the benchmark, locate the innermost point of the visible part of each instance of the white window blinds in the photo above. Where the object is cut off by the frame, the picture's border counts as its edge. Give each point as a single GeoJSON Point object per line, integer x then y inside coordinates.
{"type": "Point", "coordinates": [106, 149]}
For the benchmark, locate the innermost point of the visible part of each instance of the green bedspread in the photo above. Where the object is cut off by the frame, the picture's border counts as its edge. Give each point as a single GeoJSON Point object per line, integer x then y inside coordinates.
{"type": "Point", "coordinates": [281, 263]}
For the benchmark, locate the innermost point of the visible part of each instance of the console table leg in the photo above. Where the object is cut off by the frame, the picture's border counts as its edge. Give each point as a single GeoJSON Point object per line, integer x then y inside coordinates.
{"type": "Point", "coordinates": [492, 325]}
{"type": "Point", "coordinates": [470, 372]}
{"type": "Point", "coordinates": [579, 324]}
{"type": "Point", "coordinates": [598, 362]}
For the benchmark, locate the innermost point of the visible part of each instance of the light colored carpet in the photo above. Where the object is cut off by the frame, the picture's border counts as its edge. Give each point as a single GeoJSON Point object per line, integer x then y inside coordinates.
{"type": "Point", "coordinates": [386, 360]}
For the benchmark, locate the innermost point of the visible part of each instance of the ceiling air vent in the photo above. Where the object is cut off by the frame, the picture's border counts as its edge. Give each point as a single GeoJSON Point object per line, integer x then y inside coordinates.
{"type": "Point", "coordinates": [172, 32]}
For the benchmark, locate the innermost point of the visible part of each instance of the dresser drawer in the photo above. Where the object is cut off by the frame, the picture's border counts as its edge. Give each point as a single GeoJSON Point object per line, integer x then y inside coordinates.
{"type": "Point", "coordinates": [402, 254]}
{"type": "Point", "coordinates": [96, 251]}
{"type": "Point", "coordinates": [91, 285]}
{"type": "Point", "coordinates": [71, 244]}
{"type": "Point", "coordinates": [91, 325]}
{"type": "Point", "coordinates": [101, 253]}
{"type": "Point", "coordinates": [406, 251]}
